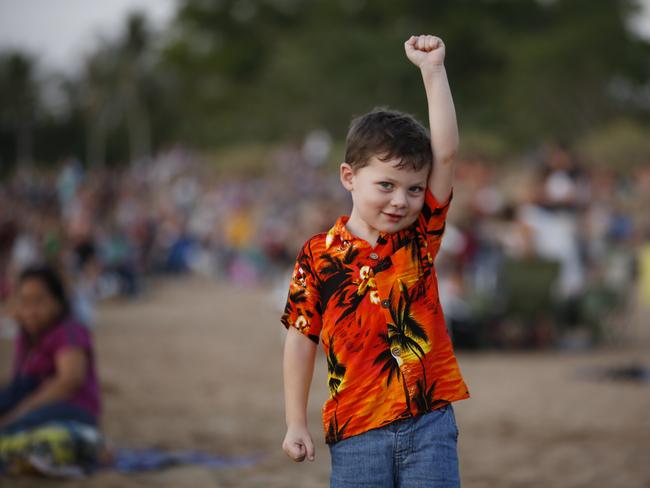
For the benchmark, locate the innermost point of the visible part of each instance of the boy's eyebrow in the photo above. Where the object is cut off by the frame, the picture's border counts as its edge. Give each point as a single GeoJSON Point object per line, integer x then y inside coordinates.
{"type": "Point", "coordinates": [391, 180]}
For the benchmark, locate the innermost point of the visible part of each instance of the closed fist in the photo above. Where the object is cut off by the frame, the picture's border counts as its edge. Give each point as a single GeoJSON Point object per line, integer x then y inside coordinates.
{"type": "Point", "coordinates": [298, 445]}
{"type": "Point", "coordinates": [425, 51]}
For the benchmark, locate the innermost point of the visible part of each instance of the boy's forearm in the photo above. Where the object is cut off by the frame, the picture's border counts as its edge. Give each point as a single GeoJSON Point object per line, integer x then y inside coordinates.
{"type": "Point", "coordinates": [298, 366]}
{"type": "Point", "coordinates": [442, 114]}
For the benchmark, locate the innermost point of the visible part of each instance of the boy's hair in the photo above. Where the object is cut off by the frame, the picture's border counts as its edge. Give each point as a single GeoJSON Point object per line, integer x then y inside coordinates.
{"type": "Point", "coordinates": [388, 134]}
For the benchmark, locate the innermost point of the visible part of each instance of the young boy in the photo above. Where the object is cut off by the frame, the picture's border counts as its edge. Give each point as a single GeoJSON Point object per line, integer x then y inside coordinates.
{"type": "Point", "coordinates": [368, 289]}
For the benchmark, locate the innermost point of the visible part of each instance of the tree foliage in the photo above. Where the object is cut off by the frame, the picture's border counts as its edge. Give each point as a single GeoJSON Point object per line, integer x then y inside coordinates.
{"type": "Point", "coordinates": [242, 71]}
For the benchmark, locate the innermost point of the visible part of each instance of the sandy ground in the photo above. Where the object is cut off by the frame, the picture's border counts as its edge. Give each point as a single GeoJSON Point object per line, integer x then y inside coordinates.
{"type": "Point", "coordinates": [195, 365]}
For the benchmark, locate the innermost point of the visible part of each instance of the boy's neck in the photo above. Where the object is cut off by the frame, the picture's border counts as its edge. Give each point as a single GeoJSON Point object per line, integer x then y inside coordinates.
{"type": "Point", "coordinates": [358, 228]}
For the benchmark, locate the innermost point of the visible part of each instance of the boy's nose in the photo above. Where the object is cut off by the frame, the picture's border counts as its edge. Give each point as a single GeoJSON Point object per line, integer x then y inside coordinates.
{"type": "Point", "coordinates": [398, 200]}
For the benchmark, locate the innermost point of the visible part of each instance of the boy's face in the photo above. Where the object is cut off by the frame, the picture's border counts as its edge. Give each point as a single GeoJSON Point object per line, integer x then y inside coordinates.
{"type": "Point", "coordinates": [385, 198]}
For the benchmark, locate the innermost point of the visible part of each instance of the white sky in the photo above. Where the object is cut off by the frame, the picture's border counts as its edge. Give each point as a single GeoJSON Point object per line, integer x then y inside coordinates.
{"type": "Point", "coordinates": [642, 23]}
{"type": "Point", "coordinates": [60, 32]}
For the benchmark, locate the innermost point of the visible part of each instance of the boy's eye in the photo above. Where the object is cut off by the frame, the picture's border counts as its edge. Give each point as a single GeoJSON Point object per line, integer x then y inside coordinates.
{"type": "Point", "coordinates": [416, 189]}
{"type": "Point", "coordinates": [386, 185]}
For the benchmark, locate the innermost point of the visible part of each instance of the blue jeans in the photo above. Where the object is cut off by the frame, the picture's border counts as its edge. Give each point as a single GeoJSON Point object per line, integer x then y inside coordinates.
{"type": "Point", "coordinates": [409, 453]}
{"type": "Point", "coordinates": [21, 388]}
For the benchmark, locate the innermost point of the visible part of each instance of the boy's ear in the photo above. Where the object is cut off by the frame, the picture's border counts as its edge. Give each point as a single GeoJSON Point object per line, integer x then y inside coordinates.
{"type": "Point", "coordinates": [347, 176]}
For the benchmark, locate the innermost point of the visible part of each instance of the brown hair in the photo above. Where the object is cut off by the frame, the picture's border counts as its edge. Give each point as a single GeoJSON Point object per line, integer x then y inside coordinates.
{"type": "Point", "coordinates": [388, 134]}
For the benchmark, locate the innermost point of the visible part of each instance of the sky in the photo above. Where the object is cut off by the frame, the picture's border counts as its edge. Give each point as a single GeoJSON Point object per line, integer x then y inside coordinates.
{"type": "Point", "coordinates": [61, 32]}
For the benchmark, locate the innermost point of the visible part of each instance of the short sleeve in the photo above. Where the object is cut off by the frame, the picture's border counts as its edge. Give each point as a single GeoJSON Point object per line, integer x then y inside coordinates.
{"type": "Point", "coordinates": [71, 335]}
{"type": "Point", "coordinates": [432, 221]}
{"type": "Point", "coordinates": [41, 362]}
{"type": "Point", "coordinates": [303, 308]}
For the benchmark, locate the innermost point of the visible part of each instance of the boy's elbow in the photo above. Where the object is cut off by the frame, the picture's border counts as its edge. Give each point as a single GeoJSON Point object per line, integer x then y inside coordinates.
{"type": "Point", "coordinates": [446, 158]}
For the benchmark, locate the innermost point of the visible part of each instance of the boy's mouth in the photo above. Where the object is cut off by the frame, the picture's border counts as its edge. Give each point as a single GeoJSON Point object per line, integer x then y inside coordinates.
{"type": "Point", "coordinates": [393, 217]}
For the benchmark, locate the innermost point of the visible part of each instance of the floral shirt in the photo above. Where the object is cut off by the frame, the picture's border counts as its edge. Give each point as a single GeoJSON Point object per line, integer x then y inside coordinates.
{"type": "Point", "coordinates": [389, 355]}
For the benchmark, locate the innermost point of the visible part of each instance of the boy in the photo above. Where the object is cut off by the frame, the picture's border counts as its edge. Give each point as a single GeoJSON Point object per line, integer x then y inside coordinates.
{"type": "Point", "coordinates": [368, 289]}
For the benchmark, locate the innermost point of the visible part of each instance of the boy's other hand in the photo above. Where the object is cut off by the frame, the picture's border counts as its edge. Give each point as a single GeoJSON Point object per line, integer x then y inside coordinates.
{"type": "Point", "coordinates": [298, 445]}
{"type": "Point", "coordinates": [425, 51]}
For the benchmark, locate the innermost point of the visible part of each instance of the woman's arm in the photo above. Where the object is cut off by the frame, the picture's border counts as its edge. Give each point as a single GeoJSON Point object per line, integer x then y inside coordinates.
{"type": "Point", "coordinates": [71, 366]}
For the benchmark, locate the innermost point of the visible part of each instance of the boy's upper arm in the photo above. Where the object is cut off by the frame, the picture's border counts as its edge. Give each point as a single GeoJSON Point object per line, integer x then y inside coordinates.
{"type": "Point", "coordinates": [303, 308]}
{"type": "Point", "coordinates": [441, 180]}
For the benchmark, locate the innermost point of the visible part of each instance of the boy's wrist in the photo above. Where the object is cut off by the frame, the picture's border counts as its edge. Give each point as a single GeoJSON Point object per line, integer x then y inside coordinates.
{"type": "Point", "coordinates": [432, 70]}
{"type": "Point", "coordinates": [296, 420]}
{"type": "Point", "coordinates": [297, 423]}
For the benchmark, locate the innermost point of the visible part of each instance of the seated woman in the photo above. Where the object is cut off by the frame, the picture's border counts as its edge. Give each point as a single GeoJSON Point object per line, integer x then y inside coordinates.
{"type": "Point", "coordinates": [54, 376]}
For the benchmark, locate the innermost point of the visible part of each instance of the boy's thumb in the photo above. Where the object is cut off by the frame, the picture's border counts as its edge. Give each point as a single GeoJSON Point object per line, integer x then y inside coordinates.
{"type": "Point", "coordinates": [309, 446]}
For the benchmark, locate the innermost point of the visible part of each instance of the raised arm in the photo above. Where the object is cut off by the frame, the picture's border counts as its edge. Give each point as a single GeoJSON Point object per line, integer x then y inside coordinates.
{"type": "Point", "coordinates": [428, 54]}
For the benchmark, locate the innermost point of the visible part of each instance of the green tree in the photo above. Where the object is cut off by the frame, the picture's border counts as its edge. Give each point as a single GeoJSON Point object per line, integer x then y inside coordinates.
{"type": "Point", "coordinates": [522, 69]}
{"type": "Point", "coordinates": [19, 103]}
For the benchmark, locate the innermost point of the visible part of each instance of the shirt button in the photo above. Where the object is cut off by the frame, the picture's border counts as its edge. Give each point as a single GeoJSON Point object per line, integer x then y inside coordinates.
{"type": "Point", "coordinates": [374, 256]}
{"type": "Point", "coordinates": [385, 303]}
{"type": "Point", "coordinates": [396, 352]}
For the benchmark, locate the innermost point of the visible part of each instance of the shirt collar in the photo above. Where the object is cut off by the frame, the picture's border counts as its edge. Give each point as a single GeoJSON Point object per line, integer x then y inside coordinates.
{"type": "Point", "coordinates": [340, 233]}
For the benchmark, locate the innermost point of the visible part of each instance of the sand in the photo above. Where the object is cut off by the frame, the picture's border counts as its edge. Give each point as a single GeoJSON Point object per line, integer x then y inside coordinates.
{"type": "Point", "coordinates": [197, 365]}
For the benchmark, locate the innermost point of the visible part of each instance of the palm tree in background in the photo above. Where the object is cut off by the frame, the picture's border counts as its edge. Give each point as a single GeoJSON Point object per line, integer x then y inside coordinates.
{"type": "Point", "coordinates": [19, 101]}
{"type": "Point", "coordinates": [113, 91]}
{"type": "Point", "coordinates": [136, 48]}
{"type": "Point", "coordinates": [98, 105]}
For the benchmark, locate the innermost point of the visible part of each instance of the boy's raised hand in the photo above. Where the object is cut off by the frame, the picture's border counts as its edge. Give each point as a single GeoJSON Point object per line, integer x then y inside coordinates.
{"type": "Point", "coordinates": [425, 51]}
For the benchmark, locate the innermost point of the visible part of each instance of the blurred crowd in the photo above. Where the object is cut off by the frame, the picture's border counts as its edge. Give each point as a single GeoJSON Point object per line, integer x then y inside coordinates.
{"type": "Point", "coordinates": [108, 231]}
{"type": "Point", "coordinates": [543, 253]}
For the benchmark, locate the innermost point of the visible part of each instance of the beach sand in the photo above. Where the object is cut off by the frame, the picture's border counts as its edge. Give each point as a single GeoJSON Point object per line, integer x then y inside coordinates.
{"type": "Point", "coordinates": [197, 365]}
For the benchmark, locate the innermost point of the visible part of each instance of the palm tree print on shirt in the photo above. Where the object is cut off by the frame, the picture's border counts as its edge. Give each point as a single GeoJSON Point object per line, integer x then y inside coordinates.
{"type": "Point", "coordinates": [338, 273]}
{"type": "Point", "coordinates": [423, 398]}
{"type": "Point", "coordinates": [335, 374]}
{"type": "Point", "coordinates": [390, 364]}
{"type": "Point", "coordinates": [376, 309]}
{"type": "Point", "coordinates": [405, 332]}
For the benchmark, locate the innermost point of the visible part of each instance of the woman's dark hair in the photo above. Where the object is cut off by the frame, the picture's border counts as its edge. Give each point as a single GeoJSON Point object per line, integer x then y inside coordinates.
{"type": "Point", "coordinates": [52, 281]}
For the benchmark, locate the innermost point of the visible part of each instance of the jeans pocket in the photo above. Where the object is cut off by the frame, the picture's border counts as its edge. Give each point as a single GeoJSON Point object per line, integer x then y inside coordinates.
{"type": "Point", "coordinates": [452, 419]}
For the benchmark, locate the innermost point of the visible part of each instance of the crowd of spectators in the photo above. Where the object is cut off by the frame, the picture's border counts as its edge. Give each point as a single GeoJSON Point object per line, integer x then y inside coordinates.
{"type": "Point", "coordinates": [535, 254]}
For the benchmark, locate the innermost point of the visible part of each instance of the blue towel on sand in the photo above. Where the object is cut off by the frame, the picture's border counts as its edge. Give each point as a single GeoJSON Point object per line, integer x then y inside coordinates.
{"type": "Point", "coordinates": [134, 460]}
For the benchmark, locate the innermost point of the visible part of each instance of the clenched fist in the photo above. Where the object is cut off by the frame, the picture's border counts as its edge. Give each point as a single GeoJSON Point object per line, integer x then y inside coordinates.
{"type": "Point", "coordinates": [425, 51]}
{"type": "Point", "coordinates": [298, 444]}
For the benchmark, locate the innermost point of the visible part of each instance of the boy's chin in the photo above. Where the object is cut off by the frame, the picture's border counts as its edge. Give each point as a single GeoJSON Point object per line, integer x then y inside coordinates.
{"type": "Point", "coordinates": [391, 228]}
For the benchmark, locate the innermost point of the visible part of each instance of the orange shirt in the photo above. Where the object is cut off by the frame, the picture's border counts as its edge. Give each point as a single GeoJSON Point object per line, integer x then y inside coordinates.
{"type": "Point", "coordinates": [389, 355]}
